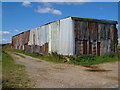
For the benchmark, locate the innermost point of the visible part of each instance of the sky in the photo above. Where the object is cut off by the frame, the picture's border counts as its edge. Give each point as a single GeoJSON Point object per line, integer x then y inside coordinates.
{"type": "Point", "coordinates": [22, 16]}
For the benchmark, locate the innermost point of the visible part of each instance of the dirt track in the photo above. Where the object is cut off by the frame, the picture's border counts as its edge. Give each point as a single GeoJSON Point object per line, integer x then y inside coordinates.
{"type": "Point", "coordinates": [51, 75]}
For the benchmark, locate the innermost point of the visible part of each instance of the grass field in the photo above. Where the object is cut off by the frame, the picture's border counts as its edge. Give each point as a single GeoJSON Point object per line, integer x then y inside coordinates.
{"type": "Point", "coordinates": [13, 75]}
{"type": "Point", "coordinates": [79, 60]}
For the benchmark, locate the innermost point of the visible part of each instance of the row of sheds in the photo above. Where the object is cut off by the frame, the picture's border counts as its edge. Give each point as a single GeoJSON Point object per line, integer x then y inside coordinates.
{"type": "Point", "coordinates": [70, 36]}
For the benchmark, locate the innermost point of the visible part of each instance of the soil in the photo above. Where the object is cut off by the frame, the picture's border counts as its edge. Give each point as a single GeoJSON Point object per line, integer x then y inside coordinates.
{"type": "Point", "coordinates": [45, 74]}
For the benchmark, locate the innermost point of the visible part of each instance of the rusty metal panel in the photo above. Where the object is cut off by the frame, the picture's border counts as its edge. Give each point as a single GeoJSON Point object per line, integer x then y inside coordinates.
{"type": "Point", "coordinates": [84, 46]}
{"type": "Point", "coordinates": [46, 48]}
{"type": "Point", "coordinates": [107, 29]}
{"type": "Point", "coordinates": [103, 47]}
{"type": "Point", "coordinates": [94, 47]}
{"type": "Point", "coordinates": [102, 31]}
{"type": "Point", "coordinates": [18, 41]}
{"type": "Point", "coordinates": [115, 37]}
{"type": "Point", "coordinates": [108, 45]}
{"type": "Point", "coordinates": [93, 29]}
{"type": "Point", "coordinates": [98, 48]}
{"type": "Point", "coordinates": [76, 29]}
{"type": "Point", "coordinates": [26, 37]}
{"type": "Point", "coordinates": [78, 47]}
{"type": "Point", "coordinates": [90, 47]}
{"type": "Point", "coordinates": [81, 30]}
{"type": "Point", "coordinates": [21, 40]}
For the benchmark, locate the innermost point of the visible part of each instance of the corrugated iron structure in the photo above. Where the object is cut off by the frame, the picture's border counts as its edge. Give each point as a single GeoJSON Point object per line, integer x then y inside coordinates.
{"type": "Point", "coordinates": [70, 36]}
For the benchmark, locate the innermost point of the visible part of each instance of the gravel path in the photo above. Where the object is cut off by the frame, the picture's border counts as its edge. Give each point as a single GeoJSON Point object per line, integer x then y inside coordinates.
{"type": "Point", "coordinates": [51, 75]}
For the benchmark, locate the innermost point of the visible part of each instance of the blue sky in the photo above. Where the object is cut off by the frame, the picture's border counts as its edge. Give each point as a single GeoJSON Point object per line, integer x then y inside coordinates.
{"type": "Point", "coordinates": [22, 16]}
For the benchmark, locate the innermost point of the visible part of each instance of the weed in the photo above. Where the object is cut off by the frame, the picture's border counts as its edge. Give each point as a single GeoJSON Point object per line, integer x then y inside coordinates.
{"type": "Point", "coordinates": [110, 54]}
{"type": "Point", "coordinates": [80, 59]}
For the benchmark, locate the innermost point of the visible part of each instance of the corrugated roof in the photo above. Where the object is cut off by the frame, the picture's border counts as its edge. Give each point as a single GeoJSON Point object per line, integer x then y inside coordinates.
{"type": "Point", "coordinates": [94, 20]}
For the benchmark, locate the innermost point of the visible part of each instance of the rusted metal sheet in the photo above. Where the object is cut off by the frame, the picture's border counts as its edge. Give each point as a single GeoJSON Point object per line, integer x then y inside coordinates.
{"type": "Point", "coordinates": [93, 29]}
{"type": "Point", "coordinates": [81, 30]}
{"type": "Point", "coordinates": [76, 29]}
{"type": "Point", "coordinates": [90, 47]}
{"type": "Point", "coordinates": [98, 48]}
{"type": "Point", "coordinates": [84, 46]}
{"type": "Point", "coordinates": [95, 33]}
{"type": "Point", "coordinates": [115, 37]}
{"type": "Point", "coordinates": [94, 47]}
{"type": "Point", "coordinates": [46, 48]}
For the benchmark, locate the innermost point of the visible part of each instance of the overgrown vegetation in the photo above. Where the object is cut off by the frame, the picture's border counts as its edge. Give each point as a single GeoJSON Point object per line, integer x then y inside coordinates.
{"type": "Point", "coordinates": [91, 59]}
{"type": "Point", "coordinates": [13, 75]}
{"type": "Point", "coordinates": [77, 60]}
{"type": "Point", "coordinates": [54, 57]}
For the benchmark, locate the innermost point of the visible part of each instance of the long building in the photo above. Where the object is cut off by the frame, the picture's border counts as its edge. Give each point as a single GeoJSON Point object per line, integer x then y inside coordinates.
{"type": "Point", "coordinates": [70, 36]}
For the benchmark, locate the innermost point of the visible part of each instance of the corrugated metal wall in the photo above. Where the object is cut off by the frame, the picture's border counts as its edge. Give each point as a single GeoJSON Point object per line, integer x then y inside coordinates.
{"type": "Point", "coordinates": [68, 37]}
{"type": "Point", "coordinates": [38, 40]}
{"type": "Point", "coordinates": [94, 38]}
{"type": "Point", "coordinates": [54, 32]}
{"type": "Point", "coordinates": [66, 43]}
{"type": "Point", "coordinates": [20, 40]}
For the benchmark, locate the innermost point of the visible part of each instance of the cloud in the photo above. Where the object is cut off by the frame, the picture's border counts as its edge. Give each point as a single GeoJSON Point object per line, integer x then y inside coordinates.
{"type": "Point", "coordinates": [5, 40]}
{"type": "Point", "coordinates": [5, 32]}
{"type": "Point", "coordinates": [15, 30]}
{"type": "Point", "coordinates": [48, 10]}
{"type": "Point", "coordinates": [64, 0]}
{"type": "Point", "coordinates": [46, 4]}
{"type": "Point", "coordinates": [26, 3]}
{"type": "Point", "coordinates": [55, 11]}
{"type": "Point", "coordinates": [46, 7]}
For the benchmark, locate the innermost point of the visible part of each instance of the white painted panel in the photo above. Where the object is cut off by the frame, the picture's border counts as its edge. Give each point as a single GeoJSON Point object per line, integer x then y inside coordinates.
{"type": "Point", "coordinates": [66, 38]}
{"type": "Point", "coordinates": [54, 36]}
{"type": "Point", "coordinates": [31, 37]}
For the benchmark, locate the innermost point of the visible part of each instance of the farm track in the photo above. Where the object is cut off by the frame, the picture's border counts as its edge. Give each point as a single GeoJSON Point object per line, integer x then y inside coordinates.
{"type": "Point", "coordinates": [45, 74]}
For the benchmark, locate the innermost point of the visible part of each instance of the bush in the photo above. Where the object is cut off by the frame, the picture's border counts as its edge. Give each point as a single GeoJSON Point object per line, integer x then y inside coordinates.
{"type": "Point", "coordinates": [72, 58]}
{"type": "Point", "coordinates": [110, 54]}
{"type": "Point", "coordinates": [87, 57]}
{"type": "Point", "coordinates": [57, 56]}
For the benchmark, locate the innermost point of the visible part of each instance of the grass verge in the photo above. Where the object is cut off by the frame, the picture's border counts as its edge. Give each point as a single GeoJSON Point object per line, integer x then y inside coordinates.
{"type": "Point", "coordinates": [19, 55]}
{"type": "Point", "coordinates": [14, 75]}
{"type": "Point", "coordinates": [52, 58]}
{"type": "Point", "coordinates": [78, 60]}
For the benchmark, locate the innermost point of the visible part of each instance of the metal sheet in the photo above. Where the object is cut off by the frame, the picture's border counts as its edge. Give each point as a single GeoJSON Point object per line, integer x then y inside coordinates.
{"type": "Point", "coordinates": [66, 37]}
{"type": "Point", "coordinates": [69, 37]}
{"type": "Point", "coordinates": [31, 37]}
{"type": "Point", "coordinates": [54, 32]}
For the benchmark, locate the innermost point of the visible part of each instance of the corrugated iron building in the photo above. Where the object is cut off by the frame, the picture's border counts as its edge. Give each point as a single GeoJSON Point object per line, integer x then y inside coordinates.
{"type": "Point", "coordinates": [70, 36]}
